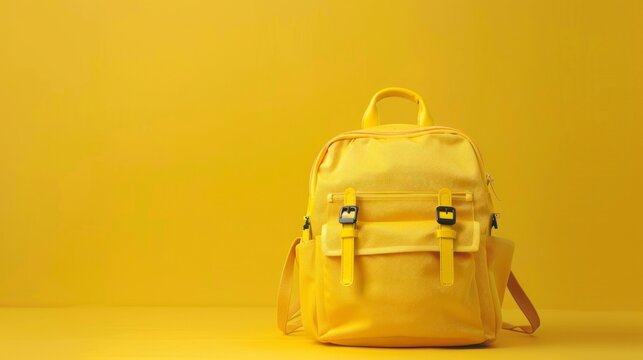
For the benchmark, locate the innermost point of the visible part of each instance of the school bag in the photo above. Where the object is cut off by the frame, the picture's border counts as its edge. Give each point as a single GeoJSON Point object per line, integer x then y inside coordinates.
{"type": "Point", "coordinates": [397, 247]}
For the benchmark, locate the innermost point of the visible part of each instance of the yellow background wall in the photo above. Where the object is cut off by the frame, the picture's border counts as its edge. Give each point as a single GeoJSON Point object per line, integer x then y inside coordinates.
{"type": "Point", "coordinates": [157, 152]}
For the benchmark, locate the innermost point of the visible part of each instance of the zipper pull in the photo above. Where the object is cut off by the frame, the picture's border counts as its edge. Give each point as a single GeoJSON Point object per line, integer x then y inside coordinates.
{"type": "Point", "coordinates": [306, 233]}
{"type": "Point", "coordinates": [494, 220]}
{"type": "Point", "coordinates": [490, 182]}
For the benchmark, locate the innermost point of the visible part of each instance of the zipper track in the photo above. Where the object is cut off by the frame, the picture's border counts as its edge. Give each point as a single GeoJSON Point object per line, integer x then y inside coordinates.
{"type": "Point", "coordinates": [409, 195]}
{"type": "Point", "coordinates": [385, 134]}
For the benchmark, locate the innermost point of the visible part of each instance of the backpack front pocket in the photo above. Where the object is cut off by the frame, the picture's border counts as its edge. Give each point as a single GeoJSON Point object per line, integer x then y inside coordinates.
{"type": "Point", "coordinates": [396, 298]}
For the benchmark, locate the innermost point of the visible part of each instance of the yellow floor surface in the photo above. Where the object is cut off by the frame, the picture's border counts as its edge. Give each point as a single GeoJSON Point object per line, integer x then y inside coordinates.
{"type": "Point", "coordinates": [231, 333]}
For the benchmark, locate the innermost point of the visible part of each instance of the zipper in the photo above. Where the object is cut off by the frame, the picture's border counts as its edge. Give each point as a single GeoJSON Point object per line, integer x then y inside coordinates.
{"type": "Point", "coordinates": [494, 221]}
{"type": "Point", "coordinates": [407, 195]}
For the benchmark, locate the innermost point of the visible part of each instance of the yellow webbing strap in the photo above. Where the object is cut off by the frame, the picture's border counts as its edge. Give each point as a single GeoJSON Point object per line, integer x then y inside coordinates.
{"type": "Point", "coordinates": [446, 235]}
{"type": "Point", "coordinates": [525, 306]}
{"type": "Point", "coordinates": [348, 236]}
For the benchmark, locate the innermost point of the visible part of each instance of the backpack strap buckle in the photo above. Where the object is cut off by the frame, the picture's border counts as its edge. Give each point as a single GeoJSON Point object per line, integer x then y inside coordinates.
{"type": "Point", "coordinates": [445, 215]}
{"type": "Point", "coordinates": [348, 214]}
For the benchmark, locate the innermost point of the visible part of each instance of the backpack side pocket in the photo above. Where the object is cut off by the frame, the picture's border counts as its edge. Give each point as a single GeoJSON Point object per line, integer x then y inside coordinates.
{"type": "Point", "coordinates": [306, 264]}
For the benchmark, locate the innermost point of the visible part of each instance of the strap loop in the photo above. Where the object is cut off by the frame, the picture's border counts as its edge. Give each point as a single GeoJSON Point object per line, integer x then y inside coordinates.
{"type": "Point", "coordinates": [348, 232]}
{"type": "Point", "coordinates": [445, 233]}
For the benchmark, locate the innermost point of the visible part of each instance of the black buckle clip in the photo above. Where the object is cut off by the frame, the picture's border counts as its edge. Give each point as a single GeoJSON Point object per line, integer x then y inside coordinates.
{"type": "Point", "coordinates": [445, 215]}
{"type": "Point", "coordinates": [348, 210]}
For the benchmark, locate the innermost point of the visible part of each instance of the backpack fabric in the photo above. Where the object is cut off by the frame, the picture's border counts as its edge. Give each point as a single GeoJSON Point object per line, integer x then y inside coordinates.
{"type": "Point", "coordinates": [397, 249]}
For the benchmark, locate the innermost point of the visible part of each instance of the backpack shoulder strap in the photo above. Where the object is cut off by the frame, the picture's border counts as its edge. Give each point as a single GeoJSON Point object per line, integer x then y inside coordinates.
{"type": "Point", "coordinates": [525, 306]}
{"type": "Point", "coordinates": [288, 312]}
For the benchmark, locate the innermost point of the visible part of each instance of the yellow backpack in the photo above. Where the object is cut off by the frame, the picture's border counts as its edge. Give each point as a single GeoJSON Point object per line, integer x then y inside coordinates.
{"type": "Point", "coordinates": [397, 247]}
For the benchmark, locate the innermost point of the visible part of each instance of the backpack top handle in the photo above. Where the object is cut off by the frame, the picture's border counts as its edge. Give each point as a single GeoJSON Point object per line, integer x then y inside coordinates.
{"type": "Point", "coordinates": [371, 116]}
